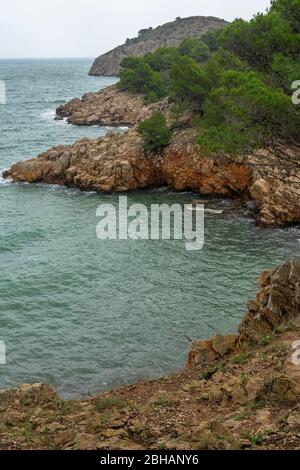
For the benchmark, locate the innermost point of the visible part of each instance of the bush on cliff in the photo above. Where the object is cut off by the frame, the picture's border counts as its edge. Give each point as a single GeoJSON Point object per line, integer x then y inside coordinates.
{"type": "Point", "coordinates": [155, 133]}
{"type": "Point", "coordinates": [190, 82]}
{"type": "Point", "coordinates": [243, 112]}
{"type": "Point", "coordinates": [162, 59]}
{"type": "Point", "coordinates": [194, 48]}
{"type": "Point", "coordinates": [212, 39]}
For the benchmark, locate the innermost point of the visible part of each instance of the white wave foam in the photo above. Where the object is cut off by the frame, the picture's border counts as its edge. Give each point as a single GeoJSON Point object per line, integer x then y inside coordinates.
{"type": "Point", "coordinates": [2, 180]}
{"type": "Point", "coordinates": [49, 114]}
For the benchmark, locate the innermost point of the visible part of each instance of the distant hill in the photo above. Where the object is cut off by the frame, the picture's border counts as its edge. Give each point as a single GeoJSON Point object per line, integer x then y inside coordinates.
{"type": "Point", "coordinates": [148, 40]}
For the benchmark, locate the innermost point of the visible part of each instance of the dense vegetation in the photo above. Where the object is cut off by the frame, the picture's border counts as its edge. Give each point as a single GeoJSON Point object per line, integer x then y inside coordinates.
{"type": "Point", "coordinates": [237, 80]}
{"type": "Point", "coordinates": [155, 132]}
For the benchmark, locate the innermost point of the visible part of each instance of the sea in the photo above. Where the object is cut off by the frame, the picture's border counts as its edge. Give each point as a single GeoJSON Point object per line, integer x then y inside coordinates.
{"type": "Point", "coordinates": [87, 315]}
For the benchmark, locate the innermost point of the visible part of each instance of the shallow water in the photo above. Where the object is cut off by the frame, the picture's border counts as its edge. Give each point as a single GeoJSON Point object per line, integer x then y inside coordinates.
{"type": "Point", "coordinates": [86, 315]}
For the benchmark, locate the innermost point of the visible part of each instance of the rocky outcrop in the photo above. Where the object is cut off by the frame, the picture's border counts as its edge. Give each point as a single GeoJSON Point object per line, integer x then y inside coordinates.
{"type": "Point", "coordinates": [109, 107]}
{"type": "Point", "coordinates": [115, 162]}
{"type": "Point", "coordinates": [277, 304]}
{"type": "Point", "coordinates": [170, 35]}
{"type": "Point", "coordinates": [239, 391]}
{"type": "Point", "coordinates": [184, 167]}
{"type": "Point", "coordinates": [276, 185]}
{"type": "Point", "coordinates": [118, 162]}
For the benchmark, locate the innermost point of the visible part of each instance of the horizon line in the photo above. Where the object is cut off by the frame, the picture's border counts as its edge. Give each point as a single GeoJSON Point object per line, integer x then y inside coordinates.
{"type": "Point", "coordinates": [46, 58]}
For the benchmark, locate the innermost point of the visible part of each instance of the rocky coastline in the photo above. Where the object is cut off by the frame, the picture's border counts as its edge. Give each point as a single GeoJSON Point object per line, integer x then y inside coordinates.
{"type": "Point", "coordinates": [238, 391]}
{"type": "Point", "coordinates": [117, 162]}
{"type": "Point", "coordinates": [108, 107]}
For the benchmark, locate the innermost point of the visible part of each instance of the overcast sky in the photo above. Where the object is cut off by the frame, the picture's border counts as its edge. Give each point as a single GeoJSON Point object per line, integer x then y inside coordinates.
{"type": "Point", "coordinates": [87, 28]}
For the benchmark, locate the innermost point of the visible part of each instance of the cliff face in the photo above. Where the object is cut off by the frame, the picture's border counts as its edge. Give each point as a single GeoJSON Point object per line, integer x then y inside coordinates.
{"type": "Point", "coordinates": [170, 34]}
{"type": "Point", "coordinates": [276, 188]}
{"type": "Point", "coordinates": [237, 392]}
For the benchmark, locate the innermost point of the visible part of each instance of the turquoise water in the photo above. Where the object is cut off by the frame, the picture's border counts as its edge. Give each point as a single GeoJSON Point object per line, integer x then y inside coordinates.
{"type": "Point", "coordinates": [87, 315]}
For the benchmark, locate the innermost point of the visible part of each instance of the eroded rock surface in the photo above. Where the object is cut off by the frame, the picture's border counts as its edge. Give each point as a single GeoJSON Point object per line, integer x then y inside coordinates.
{"type": "Point", "coordinates": [276, 185]}
{"type": "Point", "coordinates": [277, 302]}
{"type": "Point", "coordinates": [109, 107]}
{"type": "Point", "coordinates": [118, 162]}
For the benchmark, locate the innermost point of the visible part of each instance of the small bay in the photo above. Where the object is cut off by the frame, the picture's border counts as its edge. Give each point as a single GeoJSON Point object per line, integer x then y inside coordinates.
{"type": "Point", "coordinates": [87, 315]}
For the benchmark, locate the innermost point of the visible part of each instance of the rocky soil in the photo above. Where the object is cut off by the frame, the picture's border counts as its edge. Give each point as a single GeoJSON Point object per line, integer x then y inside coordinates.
{"type": "Point", "coordinates": [170, 35]}
{"type": "Point", "coordinates": [237, 392]}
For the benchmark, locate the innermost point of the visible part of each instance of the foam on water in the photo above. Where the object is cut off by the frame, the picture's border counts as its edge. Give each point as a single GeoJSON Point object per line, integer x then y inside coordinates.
{"type": "Point", "coordinates": [2, 180]}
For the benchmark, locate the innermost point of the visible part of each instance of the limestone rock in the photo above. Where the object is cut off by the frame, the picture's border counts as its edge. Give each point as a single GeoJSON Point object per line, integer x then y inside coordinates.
{"type": "Point", "coordinates": [29, 393]}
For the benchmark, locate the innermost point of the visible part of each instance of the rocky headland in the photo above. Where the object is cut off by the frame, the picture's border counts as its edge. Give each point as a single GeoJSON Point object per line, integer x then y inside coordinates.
{"type": "Point", "coordinates": [170, 35]}
{"type": "Point", "coordinates": [118, 162]}
{"type": "Point", "coordinates": [109, 107]}
{"type": "Point", "coordinates": [238, 391]}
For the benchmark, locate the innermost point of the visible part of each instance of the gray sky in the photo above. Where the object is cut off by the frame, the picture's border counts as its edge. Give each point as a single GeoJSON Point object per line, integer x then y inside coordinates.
{"type": "Point", "coordinates": [87, 28]}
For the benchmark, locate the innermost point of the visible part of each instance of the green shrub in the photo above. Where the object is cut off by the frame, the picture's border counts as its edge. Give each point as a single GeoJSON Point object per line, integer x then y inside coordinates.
{"type": "Point", "coordinates": [162, 59]}
{"type": "Point", "coordinates": [212, 39]}
{"type": "Point", "coordinates": [243, 113]}
{"type": "Point", "coordinates": [190, 82]}
{"type": "Point", "coordinates": [194, 48]}
{"type": "Point", "coordinates": [137, 76]}
{"type": "Point", "coordinates": [155, 133]}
